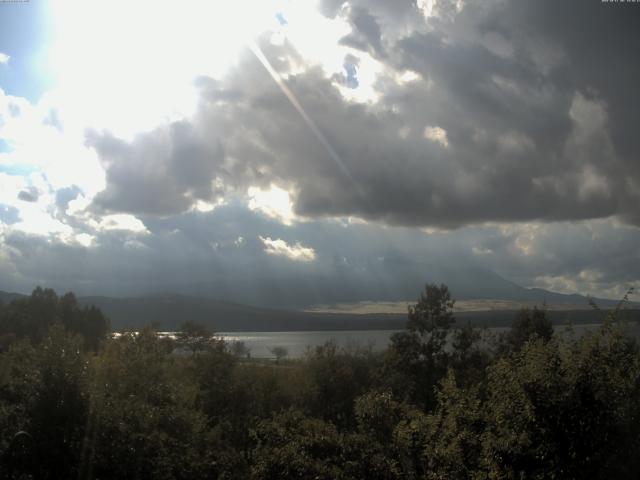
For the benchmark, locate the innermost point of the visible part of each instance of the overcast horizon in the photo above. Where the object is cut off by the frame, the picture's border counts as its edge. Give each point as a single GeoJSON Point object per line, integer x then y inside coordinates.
{"type": "Point", "coordinates": [342, 151]}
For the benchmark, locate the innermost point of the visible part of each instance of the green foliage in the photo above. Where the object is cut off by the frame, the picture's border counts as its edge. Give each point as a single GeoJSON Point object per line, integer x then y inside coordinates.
{"type": "Point", "coordinates": [470, 356]}
{"type": "Point", "coordinates": [44, 393]}
{"type": "Point", "coordinates": [528, 325]}
{"type": "Point", "coordinates": [144, 423]}
{"type": "Point", "coordinates": [433, 314]}
{"type": "Point", "coordinates": [453, 445]}
{"type": "Point", "coordinates": [416, 358]}
{"type": "Point", "coordinates": [240, 349]}
{"type": "Point", "coordinates": [377, 415]}
{"type": "Point", "coordinates": [213, 373]}
{"type": "Point", "coordinates": [440, 404]}
{"type": "Point", "coordinates": [292, 445]}
{"type": "Point", "coordinates": [557, 409]}
{"type": "Point", "coordinates": [19, 377]}
{"type": "Point", "coordinates": [336, 378]}
{"type": "Point", "coordinates": [279, 352]}
{"type": "Point", "coordinates": [409, 439]}
{"type": "Point", "coordinates": [33, 316]}
{"type": "Point", "coordinates": [194, 337]}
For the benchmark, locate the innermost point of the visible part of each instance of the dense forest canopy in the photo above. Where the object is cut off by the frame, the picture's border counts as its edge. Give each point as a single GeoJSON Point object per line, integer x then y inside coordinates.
{"type": "Point", "coordinates": [443, 401]}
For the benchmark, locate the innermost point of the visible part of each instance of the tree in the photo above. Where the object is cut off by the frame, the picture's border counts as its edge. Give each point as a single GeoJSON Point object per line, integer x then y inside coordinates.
{"type": "Point", "coordinates": [529, 324]}
{"type": "Point", "coordinates": [416, 358]}
{"type": "Point", "coordinates": [336, 378]}
{"type": "Point", "coordinates": [292, 445]}
{"type": "Point", "coordinates": [433, 314]}
{"type": "Point", "coordinates": [240, 349]}
{"type": "Point", "coordinates": [279, 352]}
{"type": "Point", "coordinates": [33, 316]}
{"type": "Point", "coordinates": [194, 336]}
{"type": "Point", "coordinates": [377, 415]}
{"type": "Point", "coordinates": [144, 421]}
{"type": "Point", "coordinates": [58, 410]}
{"type": "Point", "coordinates": [453, 443]}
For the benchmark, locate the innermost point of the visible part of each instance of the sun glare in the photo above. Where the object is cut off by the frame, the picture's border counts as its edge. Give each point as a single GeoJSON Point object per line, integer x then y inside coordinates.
{"type": "Point", "coordinates": [126, 65]}
{"type": "Point", "coordinates": [274, 202]}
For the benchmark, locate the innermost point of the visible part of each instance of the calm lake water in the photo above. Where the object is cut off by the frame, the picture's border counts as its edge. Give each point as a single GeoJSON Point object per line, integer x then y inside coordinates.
{"type": "Point", "coordinates": [297, 343]}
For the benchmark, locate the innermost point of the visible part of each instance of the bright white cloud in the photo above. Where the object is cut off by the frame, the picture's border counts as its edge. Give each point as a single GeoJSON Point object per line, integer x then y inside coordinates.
{"type": "Point", "coordinates": [525, 236]}
{"type": "Point", "coordinates": [10, 187]}
{"type": "Point", "coordinates": [4, 58]}
{"type": "Point", "coordinates": [35, 217]}
{"type": "Point", "coordinates": [274, 202]}
{"type": "Point", "coordinates": [40, 144]}
{"type": "Point", "coordinates": [322, 47]}
{"type": "Point", "coordinates": [85, 239]}
{"type": "Point", "coordinates": [587, 282]}
{"type": "Point", "coordinates": [119, 221]}
{"type": "Point", "coordinates": [427, 7]}
{"type": "Point", "coordinates": [436, 134]}
{"type": "Point", "coordinates": [38, 222]}
{"type": "Point", "coordinates": [294, 252]}
{"type": "Point", "coordinates": [202, 206]}
{"type": "Point", "coordinates": [130, 81]}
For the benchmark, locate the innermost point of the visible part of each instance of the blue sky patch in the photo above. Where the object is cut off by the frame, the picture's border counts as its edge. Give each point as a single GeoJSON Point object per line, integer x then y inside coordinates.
{"type": "Point", "coordinates": [21, 170]}
{"type": "Point", "coordinates": [281, 19]}
{"type": "Point", "coordinates": [24, 35]}
{"type": "Point", "coordinates": [9, 214]}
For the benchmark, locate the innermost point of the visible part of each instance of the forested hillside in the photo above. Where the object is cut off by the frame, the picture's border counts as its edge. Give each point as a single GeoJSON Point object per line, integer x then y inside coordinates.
{"type": "Point", "coordinates": [531, 403]}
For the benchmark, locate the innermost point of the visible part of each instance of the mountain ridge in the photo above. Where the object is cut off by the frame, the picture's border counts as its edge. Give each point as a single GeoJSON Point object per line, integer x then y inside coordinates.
{"type": "Point", "coordinates": [168, 311]}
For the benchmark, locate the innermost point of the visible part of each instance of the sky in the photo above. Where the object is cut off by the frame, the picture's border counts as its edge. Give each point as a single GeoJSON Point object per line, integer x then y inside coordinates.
{"type": "Point", "coordinates": [329, 151]}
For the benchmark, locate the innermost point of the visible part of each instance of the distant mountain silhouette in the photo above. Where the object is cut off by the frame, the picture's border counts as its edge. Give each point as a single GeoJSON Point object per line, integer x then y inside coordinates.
{"type": "Point", "coordinates": [7, 297]}
{"type": "Point", "coordinates": [266, 305]}
{"type": "Point", "coordinates": [169, 311]}
{"type": "Point", "coordinates": [465, 283]}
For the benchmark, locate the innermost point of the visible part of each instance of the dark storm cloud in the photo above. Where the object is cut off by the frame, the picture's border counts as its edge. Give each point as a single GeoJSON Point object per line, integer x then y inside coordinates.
{"type": "Point", "coordinates": [520, 131]}
{"type": "Point", "coordinates": [600, 45]}
{"type": "Point", "coordinates": [220, 254]}
{"type": "Point", "coordinates": [535, 101]}
{"type": "Point", "coordinates": [517, 85]}
{"type": "Point", "coordinates": [366, 33]}
{"type": "Point", "coordinates": [588, 257]}
{"type": "Point", "coordinates": [161, 172]}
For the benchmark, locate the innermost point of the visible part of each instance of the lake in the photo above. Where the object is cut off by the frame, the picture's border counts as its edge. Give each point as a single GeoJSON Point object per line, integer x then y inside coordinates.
{"type": "Point", "coordinates": [296, 343]}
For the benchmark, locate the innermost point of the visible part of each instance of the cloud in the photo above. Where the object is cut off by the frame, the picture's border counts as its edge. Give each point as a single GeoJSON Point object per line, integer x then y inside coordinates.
{"type": "Point", "coordinates": [526, 138]}
{"type": "Point", "coordinates": [436, 134]}
{"type": "Point", "coordinates": [509, 122]}
{"type": "Point", "coordinates": [200, 253]}
{"type": "Point", "coordinates": [4, 59]}
{"type": "Point", "coordinates": [161, 172]}
{"type": "Point", "coordinates": [9, 214]}
{"type": "Point", "coordinates": [294, 252]}
{"type": "Point", "coordinates": [29, 195]}
{"type": "Point", "coordinates": [274, 202]}
{"type": "Point", "coordinates": [119, 222]}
